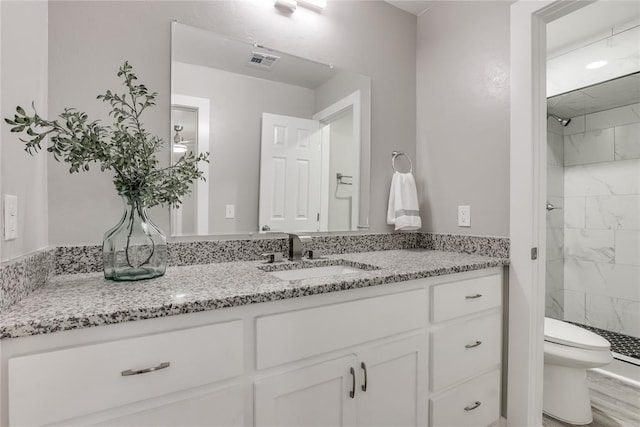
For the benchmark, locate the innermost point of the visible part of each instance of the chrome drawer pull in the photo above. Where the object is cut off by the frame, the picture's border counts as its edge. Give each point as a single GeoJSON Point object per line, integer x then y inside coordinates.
{"type": "Point", "coordinates": [364, 368]}
{"type": "Point", "coordinates": [472, 407]}
{"type": "Point", "coordinates": [475, 344]}
{"type": "Point", "coordinates": [352, 393]}
{"type": "Point", "coordinates": [473, 296]}
{"type": "Point", "coordinates": [130, 372]}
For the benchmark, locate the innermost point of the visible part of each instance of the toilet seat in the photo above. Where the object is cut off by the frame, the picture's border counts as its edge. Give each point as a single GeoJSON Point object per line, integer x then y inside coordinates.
{"type": "Point", "coordinates": [563, 333]}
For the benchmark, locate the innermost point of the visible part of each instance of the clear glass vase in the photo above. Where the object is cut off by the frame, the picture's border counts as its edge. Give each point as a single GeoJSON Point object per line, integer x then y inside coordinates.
{"type": "Point", "coordinates": [134, 248]}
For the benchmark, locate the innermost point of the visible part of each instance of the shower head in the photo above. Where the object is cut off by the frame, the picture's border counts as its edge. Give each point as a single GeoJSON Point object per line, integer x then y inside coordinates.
{"type": "Point", "coordinates": [563, 122]}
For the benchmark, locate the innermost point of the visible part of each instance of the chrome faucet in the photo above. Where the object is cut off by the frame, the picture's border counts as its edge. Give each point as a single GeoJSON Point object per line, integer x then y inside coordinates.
{"type": "Point", "coordinates": [295, 246]}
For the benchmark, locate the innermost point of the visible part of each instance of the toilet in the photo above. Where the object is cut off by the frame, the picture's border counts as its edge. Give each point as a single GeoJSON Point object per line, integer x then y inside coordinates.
{"type": "Point", "coordinates": [568, 352]}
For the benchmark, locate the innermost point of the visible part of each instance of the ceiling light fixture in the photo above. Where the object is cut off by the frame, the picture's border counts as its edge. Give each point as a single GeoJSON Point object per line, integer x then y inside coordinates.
{"type": "Point", "coordinates": [596, 64]}
{"type": "Point", "coordinates": [288, 6]}
{"type": "Point", "coordinates": [313, 4]}
{"type": "Point", "coordinates": [179, 147]}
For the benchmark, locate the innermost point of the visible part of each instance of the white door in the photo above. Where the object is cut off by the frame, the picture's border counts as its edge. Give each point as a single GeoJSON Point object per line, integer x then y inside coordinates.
{"type": "Point", "coordinates": [317, 395]}
{"type": "Point", "coordinates": [396, 384]}
{"type": "Point", "coordinates": [290, 160]}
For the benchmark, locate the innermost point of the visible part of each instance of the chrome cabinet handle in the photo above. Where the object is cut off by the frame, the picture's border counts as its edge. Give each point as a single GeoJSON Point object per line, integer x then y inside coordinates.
{"type": "Point", "coordinates": [472, 407]}
{"type": "Point", "coordinates": [473, 296]}
{"type": "Point", "coordinates": [475, 344]}
{"type": "Point", "coordinates": [364, 368]}
{"type": "Point", "coordinates": [130, 372]}
{"type": "Point", "coordinates": [352, 393]}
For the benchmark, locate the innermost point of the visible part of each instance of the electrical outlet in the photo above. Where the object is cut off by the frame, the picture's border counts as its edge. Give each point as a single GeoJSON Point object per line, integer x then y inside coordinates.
{"type": "Point", "coordinates": [10, 217]}
{"type": "Point", "coordinates": [230, 211]}
{"type": "Point", "coordinates": [464, 216]}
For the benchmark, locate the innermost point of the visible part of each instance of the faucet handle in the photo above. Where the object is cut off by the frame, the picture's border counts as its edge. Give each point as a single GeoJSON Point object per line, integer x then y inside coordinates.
{"type": "Point", "coordinates": [315, 254]}
{"type": "Point", "coordinates": [273, 257]}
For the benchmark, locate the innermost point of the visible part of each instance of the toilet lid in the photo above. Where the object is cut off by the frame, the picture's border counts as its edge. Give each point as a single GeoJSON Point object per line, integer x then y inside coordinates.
{"type": "Point", "coordinates": [567, 334]}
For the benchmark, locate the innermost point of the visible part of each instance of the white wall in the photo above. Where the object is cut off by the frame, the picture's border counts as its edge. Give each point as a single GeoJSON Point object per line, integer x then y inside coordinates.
{"type": "Point", "coordinates": [463, 116]}
{"type": "Point", "coordinates": [89, 40]}
{"type": "Point", "coordinates": [23, 80]}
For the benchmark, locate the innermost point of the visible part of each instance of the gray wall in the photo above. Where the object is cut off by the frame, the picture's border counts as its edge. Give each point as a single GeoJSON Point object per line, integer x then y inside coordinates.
{"type": "Point", "coordinates": [89, 40]}
{"type": "Point", "coordinates": [463, 116]}
{"type": "Point", "coordinates": [24, 79]}
{"type": "Point", "coordinates": [237, 104]}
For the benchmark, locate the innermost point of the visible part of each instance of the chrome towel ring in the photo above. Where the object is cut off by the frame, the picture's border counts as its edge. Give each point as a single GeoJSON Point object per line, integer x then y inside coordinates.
{"type": "Point", "coordinates": [396, 154]}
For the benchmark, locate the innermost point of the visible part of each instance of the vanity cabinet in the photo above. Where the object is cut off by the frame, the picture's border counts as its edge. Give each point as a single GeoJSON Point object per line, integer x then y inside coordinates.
{"type": "Point", "coordinates": [368, 371]}
{"type": "Point", "coordinates": [382, 385]}
{"type": "Point", "coordinates": [466, 343]}
{"type": "Point", "coordinates": [402, 354]}
{"type": "Point", "coordinates": [54, 386]}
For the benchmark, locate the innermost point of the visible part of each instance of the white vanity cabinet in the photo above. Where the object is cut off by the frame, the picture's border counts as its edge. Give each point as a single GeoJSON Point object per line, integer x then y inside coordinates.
{"type": "Point", "coordinates": [383, 385]}
{"type": "Point", "coordinates": [382, 355]}
{"type": "Point", "coordinates": [61, 385]}
{"type": "Point", "coordinates": [466, 343]}
{"type": "Point", "coordinates": [366, 370]}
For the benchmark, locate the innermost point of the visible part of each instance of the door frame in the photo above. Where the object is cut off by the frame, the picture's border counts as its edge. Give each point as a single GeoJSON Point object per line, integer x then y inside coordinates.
{"type": "Point", "coordinates": [527, 195]}
{"type": "Point", "coordinates": [202, 107]}
{"type": "Point", "coordinates": [354, 101]}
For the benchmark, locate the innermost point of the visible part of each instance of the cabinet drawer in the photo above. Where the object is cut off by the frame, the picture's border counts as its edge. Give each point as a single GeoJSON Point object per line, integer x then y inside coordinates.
{"type": "Point", "coordinates": [291, 336]}
{"type": "Point", "coordinates": [464, 349]}
{"type": "Point", "coordinates": [474, 403]}
{"type": "Point", "coordinates": [451, 300]}
{"type": "Point", "coordinates": [58, 385]}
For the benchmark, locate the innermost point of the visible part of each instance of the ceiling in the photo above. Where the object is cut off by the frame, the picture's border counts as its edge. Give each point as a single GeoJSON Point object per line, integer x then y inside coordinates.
{"type": "Point", "coordinates": [416, 7]}
{"type": "Point", "coordinates": [196, 46]}
{"type": "Point", "coordinates": [604, 96]}
{"type": "Point", "coordinates": [604, 31]}
{"type": "Point", "coordinates": [589, 24]}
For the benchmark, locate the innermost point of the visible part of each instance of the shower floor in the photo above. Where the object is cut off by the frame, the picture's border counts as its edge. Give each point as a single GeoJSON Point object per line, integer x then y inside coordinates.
{"type": "Point", "coordinates": [621, 344]}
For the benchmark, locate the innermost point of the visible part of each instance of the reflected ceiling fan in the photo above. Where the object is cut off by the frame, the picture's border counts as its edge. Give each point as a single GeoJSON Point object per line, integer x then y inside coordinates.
{"type": "Point", "coordinates": [180, 145]}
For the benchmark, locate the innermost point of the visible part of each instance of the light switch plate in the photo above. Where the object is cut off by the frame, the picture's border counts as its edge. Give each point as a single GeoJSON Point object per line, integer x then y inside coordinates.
{"type": "Point", "coordinates": [10, 217]}
{"type": "Point", "coordinates": [464, 216]}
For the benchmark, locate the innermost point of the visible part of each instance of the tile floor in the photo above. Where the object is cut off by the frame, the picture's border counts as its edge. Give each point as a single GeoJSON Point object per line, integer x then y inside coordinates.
{"type": "Point", "coordinates": [615, 403]}
{"type": "Point", "coordinates": [622, 344]}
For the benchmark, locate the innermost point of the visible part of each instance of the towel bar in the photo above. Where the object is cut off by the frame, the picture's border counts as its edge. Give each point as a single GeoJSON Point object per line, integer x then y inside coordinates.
{"type": "Point", "coordinates": [396, 154]}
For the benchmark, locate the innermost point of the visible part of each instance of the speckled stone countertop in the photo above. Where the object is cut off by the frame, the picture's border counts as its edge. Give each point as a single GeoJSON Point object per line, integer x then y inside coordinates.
{"type": "Point", "coordinates": [86, 300]}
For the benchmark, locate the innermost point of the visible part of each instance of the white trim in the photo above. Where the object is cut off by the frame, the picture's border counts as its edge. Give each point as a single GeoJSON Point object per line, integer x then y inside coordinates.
{"type": "Point", "coordinates": [325, 142]}
{"type": "Point", "coordinates": [354, 101]}
{"type": "Point", "coordinates": [527, 196]}
{"type": "Point", "coordinates": [202, 105]}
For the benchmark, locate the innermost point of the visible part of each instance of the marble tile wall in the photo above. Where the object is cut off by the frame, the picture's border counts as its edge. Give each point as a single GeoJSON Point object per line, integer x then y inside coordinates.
{"type": "Point", "coordinates": [602, 220]}
{"type": "Point", "coordinates": [554, 278]}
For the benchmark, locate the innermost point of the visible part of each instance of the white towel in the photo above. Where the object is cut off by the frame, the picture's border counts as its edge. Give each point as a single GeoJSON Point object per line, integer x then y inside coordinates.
{"type": "Point", "coordinates": [403, 203]}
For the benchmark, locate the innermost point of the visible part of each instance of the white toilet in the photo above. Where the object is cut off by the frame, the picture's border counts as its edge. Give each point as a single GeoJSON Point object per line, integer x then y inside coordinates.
{"type": "Point", "coordinates": [568, 352]}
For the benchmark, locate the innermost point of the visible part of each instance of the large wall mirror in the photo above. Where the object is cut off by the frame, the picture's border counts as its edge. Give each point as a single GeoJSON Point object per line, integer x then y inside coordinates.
{"type": "Point", "coordinates": [288, 137]}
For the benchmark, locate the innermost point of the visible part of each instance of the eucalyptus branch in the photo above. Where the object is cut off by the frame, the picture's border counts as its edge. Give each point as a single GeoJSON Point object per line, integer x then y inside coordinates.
{"type": "Point", "coordinates": [125, 147]}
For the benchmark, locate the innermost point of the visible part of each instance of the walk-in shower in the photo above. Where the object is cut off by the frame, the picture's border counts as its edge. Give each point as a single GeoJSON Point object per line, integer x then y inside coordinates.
{"type": "Point", "coordinates": [593, 241]}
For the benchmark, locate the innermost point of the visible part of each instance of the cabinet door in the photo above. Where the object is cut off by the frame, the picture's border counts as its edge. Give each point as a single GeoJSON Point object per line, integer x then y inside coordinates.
{"type": "Point", "coordinates": [317, 395]}
{"type": "Point", "coordinates": [222, 408]}
{"type": "Point", "coordinates": [396, 384]}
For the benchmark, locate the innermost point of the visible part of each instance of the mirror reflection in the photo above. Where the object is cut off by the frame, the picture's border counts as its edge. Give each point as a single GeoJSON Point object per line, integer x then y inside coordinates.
{"type": "Point", "coordinates": [289, 138]}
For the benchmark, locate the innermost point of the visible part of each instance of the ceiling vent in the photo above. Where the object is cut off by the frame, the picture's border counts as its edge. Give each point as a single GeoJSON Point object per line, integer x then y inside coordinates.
{"type": "Point", "coordinates": [262, 61]}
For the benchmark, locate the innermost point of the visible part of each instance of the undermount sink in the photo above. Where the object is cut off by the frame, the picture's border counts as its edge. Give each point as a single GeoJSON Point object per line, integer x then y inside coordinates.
{"type": "Point", "coordinates": [314, 272]}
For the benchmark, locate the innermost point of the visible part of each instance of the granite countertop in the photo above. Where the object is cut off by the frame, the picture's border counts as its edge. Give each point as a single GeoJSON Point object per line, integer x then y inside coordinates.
{"type": "Point", "coordinates": [85, 300]}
